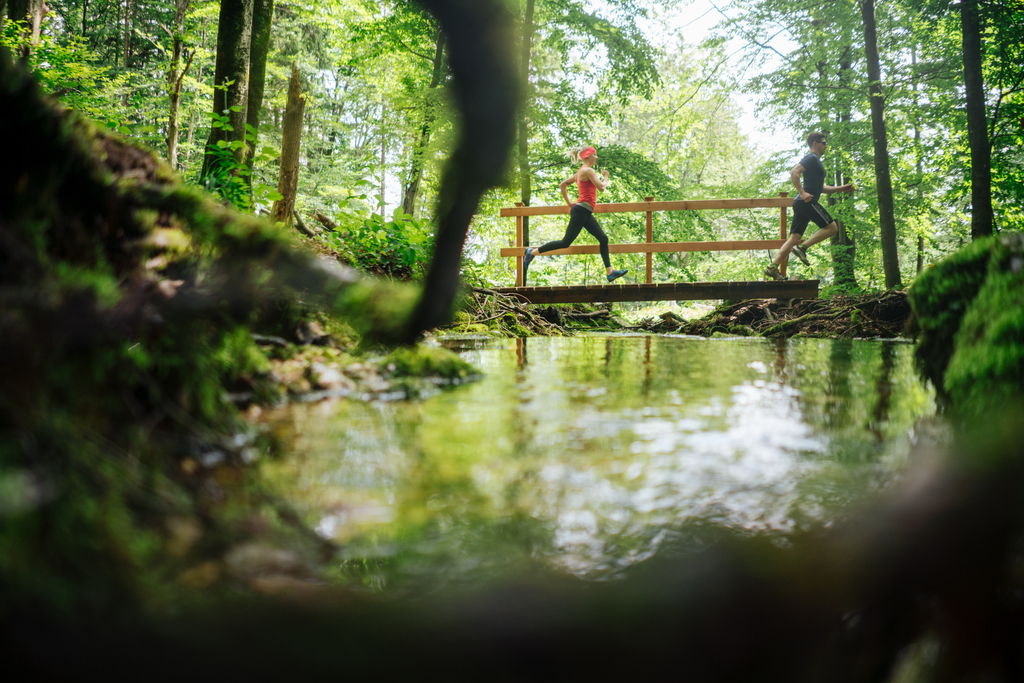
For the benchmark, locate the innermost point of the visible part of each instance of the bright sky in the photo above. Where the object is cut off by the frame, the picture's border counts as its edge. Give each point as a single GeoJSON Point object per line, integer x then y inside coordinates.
{"type": "Point", "coordinates": [694, 21]}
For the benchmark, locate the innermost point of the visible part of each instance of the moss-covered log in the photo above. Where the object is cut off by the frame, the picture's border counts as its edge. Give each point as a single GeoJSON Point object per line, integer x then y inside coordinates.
{"type": "Point", "coordinates": [128, 303]}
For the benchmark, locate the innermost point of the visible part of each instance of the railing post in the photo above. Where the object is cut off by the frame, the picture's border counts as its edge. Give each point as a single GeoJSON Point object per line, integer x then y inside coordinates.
{"type": "Point", "coordinates": [650, 237]}
{"type": "Point", "coordinates": [782, 218]}
{"type": "Point", "coordinates": [519, 243]}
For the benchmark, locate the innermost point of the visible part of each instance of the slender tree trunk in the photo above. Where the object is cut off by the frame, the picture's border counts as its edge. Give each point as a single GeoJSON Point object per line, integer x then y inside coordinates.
{"type": "Point", "coordinates": [127, 45]}
{"type": "Point", "coordinates": [288, 179]}
{"type": "Point", "coordinates": [383, 156]}
{"type": "Point", "coordinates": [85, 15]}
{"type": "Point", "coordinates": [127, 30]}
{"type": "Point", "coordinates": [525, 177]}
{"type": "Point", "coordinates": [192, 110]}
{"type": "Point", "coordinates": [262, 20]}
{"type": "Point", "coordinates": [419, 153]}
{"type": "Point", "coordinates": [982, 217]}
{"type": "Point", "coordinates": [886, 208]}
{"type": "Point", "coordinates": [231, 78]}
{"type": "Point", "coordinates": [918, 158]}
{"type": "Point", "coordinates": [117, 27]}
{"type": "Point", "coordinates": [190, 136]}
{"type": "Point", "coordinates": [844, 248]}
{"type": "Point", "coordinates": [844, 245]}
{"type": "Point", "coordinates": [174, 79]}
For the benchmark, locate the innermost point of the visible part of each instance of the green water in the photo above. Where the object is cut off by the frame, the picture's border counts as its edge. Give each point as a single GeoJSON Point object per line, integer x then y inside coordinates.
{"type": "Point", "coordinates": [588, 455]}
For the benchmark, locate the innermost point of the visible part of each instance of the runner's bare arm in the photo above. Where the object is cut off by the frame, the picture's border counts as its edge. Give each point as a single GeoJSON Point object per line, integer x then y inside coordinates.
{"type": "Point", "coordinates": [600, 181]}
{"type": "Point", "coordinates": [564, 185]}
{"type": "Point", "coordinates": [794, 177]}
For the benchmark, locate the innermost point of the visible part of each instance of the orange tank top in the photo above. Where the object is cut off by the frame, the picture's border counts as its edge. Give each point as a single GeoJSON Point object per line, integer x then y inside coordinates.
{"type": "Point", "coordinates": [588, 191]}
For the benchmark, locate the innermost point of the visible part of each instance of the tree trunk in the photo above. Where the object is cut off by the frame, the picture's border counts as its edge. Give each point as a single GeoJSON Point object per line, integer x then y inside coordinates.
{"type": "Point", "coordinates": [117, 27]}
{"type": "Point", "coordinates": [383, 156]}
{"type": "Point", "coordinates": [525, 176]}
{"type": "Point", "coordinates": [919, 160]}
{"type": "Point", "coordinates": [886, 209]}
{"type": "Point", "coordinates": [288, 179]}
{"type": "Point", "coordinates": [85, 15]}
{"type": "Point", "coordinates": [420, 151]}
{"type": "Point", "coordinates": [127, 31]}
{"type": "Point", "coordinates": [982, 217]}
{"type": "Point", "coordinates": [174, 79]}
{"type": "Point", "coordinates": [31, 12]}
{"type": "Point", "coordinates": [262, 20]}
{"type": "Point", "coordinates": [231, 79]}
{"type": "Point", "coordinates": [844, 246]}
{"type": "Point", "coordinates": [192, 110]}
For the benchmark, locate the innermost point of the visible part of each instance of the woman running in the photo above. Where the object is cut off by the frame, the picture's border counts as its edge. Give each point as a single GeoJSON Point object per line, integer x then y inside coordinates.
{"type": "Point", "coordinates": [582, 213]}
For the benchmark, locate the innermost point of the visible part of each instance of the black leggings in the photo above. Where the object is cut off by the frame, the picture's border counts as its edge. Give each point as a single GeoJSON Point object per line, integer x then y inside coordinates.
{"type": "Point", "coordinates": [579, 218]}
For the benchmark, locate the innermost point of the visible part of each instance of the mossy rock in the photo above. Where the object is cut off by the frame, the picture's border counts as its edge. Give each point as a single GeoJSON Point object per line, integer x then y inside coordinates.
{"type": "Point", "coordinates": [939, 298]}
{"type": "Point", "coordinates": [971, 311]}
{"type": "Point", "coordinates": [426, 361]}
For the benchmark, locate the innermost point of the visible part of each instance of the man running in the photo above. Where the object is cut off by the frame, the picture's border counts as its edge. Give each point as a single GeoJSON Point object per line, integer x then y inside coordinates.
{"type": "Point", "coordinates": [806, 208]}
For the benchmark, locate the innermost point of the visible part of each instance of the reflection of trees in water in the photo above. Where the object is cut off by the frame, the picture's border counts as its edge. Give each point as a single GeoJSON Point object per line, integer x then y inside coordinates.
{"type": "Point", "coordinates": [840, 361]}
{"type": "Point", "coordinates": [646, 387]}
{"type": "Point", "coordinates": [883, 390]}
{"type": "Point", "coordinates": [780, 345]}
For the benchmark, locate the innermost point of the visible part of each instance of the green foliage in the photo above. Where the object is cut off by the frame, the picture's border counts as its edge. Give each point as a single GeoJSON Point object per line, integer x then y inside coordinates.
{"type": "Point", "coordinates": [76, 74]}
{"type": "Point", "coordinates": [379, 114]}
{"type": "Point", "coordinates": [230, 178]}
{"type": "Point", "coordinates": [400, 248]}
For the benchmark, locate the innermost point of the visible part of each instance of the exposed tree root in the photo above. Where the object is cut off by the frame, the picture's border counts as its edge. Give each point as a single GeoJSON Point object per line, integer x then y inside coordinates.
{"type": "Point", "coordinates": [843, 317]}
{"type": "Point", "coordinates": [485, 310]}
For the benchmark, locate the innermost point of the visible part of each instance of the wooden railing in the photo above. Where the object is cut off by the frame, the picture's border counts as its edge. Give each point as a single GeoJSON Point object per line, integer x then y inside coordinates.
{"type": "Point", "coordinates": [650, 247]}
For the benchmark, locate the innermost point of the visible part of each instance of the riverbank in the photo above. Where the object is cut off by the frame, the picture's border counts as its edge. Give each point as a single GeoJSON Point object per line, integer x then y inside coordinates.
{"type": "Point", "coordinates": [884, 315]}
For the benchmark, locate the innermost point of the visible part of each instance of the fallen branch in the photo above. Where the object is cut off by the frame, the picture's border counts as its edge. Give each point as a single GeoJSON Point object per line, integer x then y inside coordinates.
{"type": "Point", "coordinates": [326, 222]}
{"type": "Point", "coordinates": [300, 225]}
{"type": "Point", "coordinates": [592, 314]}
{"type": "Point", "coordinates": [797, 322]}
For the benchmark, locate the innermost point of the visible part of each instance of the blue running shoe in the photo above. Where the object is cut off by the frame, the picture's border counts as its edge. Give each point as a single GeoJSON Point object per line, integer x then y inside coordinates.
{"type": "Point", "coordinates": [616, 274]}
{"type": "Point", "coordinates": [528, 259]}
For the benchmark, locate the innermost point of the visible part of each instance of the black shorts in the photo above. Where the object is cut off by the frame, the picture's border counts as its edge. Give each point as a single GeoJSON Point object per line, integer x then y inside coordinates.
{"type": "Point", "coordinates": [804, 213]}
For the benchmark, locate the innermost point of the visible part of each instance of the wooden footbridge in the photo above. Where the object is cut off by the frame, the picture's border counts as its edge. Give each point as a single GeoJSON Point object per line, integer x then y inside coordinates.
{"type": "Point", "coordinates": [666, 291]}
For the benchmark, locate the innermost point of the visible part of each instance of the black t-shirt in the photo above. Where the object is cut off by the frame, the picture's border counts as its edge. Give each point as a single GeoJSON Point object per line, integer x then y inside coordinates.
{"type": "Point", "coordinates": [814, 175]}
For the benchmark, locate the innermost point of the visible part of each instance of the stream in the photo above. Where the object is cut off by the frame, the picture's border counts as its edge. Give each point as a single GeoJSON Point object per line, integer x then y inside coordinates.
{"type": "Point", "coordinates": [588, 455]}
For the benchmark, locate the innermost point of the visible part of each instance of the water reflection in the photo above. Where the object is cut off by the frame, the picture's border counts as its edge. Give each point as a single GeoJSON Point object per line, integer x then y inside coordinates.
{"type": "Point", "coordinates": [589, 453]}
